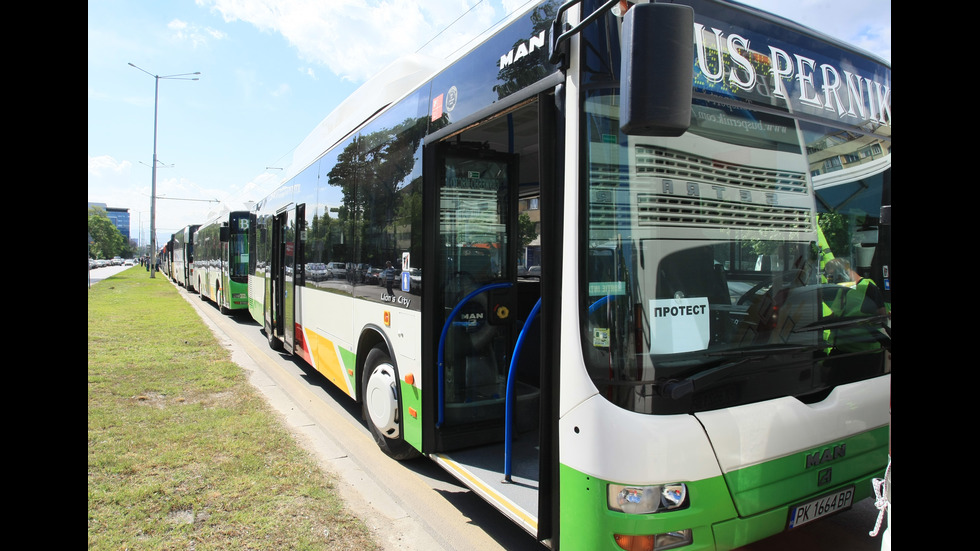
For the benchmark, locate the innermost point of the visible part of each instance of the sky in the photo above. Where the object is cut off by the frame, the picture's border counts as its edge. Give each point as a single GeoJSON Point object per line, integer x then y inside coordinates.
{"type": "Point", "coordinates": [270, 71]}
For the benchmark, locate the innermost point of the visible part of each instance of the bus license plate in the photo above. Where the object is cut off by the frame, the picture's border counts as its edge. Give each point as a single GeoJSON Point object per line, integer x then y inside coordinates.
{"type": "Point", "coordinates": [821, 507]}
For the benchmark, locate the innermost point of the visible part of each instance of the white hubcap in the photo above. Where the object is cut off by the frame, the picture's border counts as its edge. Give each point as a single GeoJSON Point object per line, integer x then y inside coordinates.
{"type": "Point", "coordinates": [381, 403]}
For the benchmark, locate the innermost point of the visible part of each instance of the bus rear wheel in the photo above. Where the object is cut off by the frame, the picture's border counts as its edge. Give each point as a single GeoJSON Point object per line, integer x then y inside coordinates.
{"type": "Point", "coordinates": [381, 405]}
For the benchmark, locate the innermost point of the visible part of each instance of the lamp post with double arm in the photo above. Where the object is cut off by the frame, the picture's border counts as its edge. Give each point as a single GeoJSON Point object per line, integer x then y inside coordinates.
{"type": "Point", "coordinates": [153, 186]}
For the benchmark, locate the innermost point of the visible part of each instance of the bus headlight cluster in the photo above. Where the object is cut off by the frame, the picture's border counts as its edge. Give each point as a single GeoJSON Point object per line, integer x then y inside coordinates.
{"type": "Point", "coordinates": [641, 500]}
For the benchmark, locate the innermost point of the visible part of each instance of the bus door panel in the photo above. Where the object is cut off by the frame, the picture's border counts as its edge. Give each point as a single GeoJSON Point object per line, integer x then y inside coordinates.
{"type": "Point", "coordinates": [293, 278]}
{"type": "Point", "coordinates": [476, 271]}
{"type": "Point", "coordinates": [277, 275]}
{"type": "Point", "coordinates": [291, 254]}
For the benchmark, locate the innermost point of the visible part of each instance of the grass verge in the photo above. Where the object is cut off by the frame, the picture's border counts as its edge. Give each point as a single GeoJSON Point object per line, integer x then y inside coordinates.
{"type": "Point", "coordinates": [183, 453]}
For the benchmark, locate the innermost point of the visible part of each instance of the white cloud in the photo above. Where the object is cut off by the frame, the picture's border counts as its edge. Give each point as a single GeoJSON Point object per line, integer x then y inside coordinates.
{"type": "Point", "coordinates": [281, 90]}
{"type": "Point", "coordinates": [184, 32]}
{"type": "Point", "coordinates": [355, 39]}
{"type": "Point", "coordinates": [105, 165]}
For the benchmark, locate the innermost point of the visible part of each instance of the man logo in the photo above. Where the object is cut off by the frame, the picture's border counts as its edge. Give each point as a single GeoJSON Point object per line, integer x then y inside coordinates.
{"type": "Point", "coordinates": [826, 455]}
{"type": "Point", "coordinates": [523, 49]}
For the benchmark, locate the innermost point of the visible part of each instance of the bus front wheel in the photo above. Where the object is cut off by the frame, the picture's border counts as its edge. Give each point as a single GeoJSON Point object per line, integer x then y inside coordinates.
{"type": "Point", "coordinates": [381, 405]}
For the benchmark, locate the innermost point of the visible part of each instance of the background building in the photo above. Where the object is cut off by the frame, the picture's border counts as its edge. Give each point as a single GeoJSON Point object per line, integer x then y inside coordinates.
{"type": "Point", "coordinates": [118, 216]}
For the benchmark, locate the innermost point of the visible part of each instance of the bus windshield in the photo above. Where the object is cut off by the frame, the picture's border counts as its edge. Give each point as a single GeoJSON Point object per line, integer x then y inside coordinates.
{"type": "Point", "coordinates": [732, 264]}
{"type": "Point", "coordinates": [238, 247]}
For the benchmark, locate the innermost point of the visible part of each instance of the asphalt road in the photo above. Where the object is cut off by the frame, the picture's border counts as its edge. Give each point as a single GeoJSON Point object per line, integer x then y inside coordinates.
{"type": "Point", "coordinates": [415, 505]}
{"type": "Point", "coordinates": [96, 275]}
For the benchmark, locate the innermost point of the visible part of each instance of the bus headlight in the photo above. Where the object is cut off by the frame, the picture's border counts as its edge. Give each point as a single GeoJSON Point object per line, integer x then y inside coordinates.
{"type": "Point", "coordinates": [641, 500]}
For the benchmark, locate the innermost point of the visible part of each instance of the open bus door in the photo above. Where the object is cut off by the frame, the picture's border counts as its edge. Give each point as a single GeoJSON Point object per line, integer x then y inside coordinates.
{"type": "Point", "coordinates": [280, 327]}
{"type": "Point", "coordinates": [489, 326]}
{"type": "Point", "coordinates": [286, 275]}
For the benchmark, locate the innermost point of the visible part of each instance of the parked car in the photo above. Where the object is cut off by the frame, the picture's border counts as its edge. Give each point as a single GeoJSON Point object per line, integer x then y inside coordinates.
{"type": "Point", "coordinates": [373, 276]}
{"type": "Point", "coordinates": [316, 271]}
{"type": "Point", "coordinates": [360, 271]}
{"type": "Point", "coordinates": [337, 270]}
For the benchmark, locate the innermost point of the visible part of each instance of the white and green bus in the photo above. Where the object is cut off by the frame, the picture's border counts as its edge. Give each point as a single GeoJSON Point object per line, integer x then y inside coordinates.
{"type": "Point", "coordinates": [684, 371]}
{"type": "Point", "coordinates": [222, 260]}
{"type": "Point", "coordinates": [182, 257]}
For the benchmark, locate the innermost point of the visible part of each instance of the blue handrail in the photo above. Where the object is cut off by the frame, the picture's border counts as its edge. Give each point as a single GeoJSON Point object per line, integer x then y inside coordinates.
{"type": "Point", "coordinates": [442, 344]}
{"type": "Point", "coordinates": [599, 303]}
{"type": "Point", "coordinates": [509, 401]}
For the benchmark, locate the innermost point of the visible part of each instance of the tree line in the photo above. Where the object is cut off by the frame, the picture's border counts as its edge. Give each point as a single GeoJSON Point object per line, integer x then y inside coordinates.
{"type": "Point", "coordinates": [105, 239]}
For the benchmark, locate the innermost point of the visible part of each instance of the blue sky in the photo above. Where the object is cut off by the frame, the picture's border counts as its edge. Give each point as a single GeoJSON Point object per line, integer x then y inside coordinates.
{"type": "Point", "coordinates": [271, 70]}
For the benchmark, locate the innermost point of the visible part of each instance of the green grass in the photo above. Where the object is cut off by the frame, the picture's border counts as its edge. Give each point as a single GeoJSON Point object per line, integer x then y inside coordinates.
{"type": "Point", "coordinates": [183, 453]}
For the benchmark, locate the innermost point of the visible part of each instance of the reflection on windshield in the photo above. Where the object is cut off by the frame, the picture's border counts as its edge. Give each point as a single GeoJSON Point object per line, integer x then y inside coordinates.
{"type": "Point", "coordinates": [715, 276]}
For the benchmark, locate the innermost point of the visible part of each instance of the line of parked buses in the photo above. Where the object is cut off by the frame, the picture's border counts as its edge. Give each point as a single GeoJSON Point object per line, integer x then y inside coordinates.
{"type": "Point", "coordinates": [216, 258]}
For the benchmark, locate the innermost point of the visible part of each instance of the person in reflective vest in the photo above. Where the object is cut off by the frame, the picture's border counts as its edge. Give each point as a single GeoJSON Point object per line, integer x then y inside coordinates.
{"type": "Point", "coordinates": [857, 297]}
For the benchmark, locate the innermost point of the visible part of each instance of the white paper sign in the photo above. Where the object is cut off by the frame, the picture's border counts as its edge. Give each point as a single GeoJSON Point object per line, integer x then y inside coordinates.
{"type": "Point", "coordinates": [679, 325]}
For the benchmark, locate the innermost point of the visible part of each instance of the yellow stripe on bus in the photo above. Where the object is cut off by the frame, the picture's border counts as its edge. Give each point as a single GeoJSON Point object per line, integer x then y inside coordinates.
{"type": "Point", "coordinates": [326, 360]}
{"type": "Point", "coordinates": [477, 485]}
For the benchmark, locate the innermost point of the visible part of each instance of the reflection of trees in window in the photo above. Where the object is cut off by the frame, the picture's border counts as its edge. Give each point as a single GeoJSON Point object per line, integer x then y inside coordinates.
{"type": "Point", "coordinates": [836, 229]}
{"type": "Point", "coordinates": [318, 238]}
{"type": "Point", "coordinates": [408, 217]}
{"type": "Point", "coordinates": [371, 172]}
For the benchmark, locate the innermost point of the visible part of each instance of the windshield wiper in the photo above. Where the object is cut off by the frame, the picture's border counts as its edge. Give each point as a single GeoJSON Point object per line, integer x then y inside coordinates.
{"type": "Point", "coordinates": [679, 388]}
{"type": "Point", "coordinates": [758, 352]}
{"type": "Point", "coordinates": [837, 323]}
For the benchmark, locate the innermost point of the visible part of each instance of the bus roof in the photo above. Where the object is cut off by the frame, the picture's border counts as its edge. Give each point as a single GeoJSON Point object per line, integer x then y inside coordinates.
{"type": "Point", "coordinates": [388, 86]}
{"type": "Point", "coordinates": [400, 78]}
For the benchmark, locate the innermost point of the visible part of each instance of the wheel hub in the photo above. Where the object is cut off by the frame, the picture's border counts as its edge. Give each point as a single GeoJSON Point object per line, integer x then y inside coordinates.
{"type": "Point", "coordinates": [381, 400]}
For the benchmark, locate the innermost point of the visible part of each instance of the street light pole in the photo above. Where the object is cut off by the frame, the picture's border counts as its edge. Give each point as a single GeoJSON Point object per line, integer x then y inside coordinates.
{"type": "Point", "coordinates": [153, 186]}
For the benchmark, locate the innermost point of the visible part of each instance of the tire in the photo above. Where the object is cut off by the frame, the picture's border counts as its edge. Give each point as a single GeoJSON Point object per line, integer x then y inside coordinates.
{"type": "Point", "coordinates": [381, 405]}
{"type": "Point", "coordinates": [274, 343]}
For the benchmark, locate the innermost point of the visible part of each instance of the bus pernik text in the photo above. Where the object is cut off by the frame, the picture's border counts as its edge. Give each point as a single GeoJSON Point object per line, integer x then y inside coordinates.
{"type": "Point", "coordinates": [821, 87]}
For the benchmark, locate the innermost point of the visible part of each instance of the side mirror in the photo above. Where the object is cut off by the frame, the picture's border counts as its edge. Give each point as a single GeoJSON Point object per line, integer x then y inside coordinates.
{"type": "Point", "coordinates": [224, 233]}
{"type": "Point", "coordinates": [657, 70]}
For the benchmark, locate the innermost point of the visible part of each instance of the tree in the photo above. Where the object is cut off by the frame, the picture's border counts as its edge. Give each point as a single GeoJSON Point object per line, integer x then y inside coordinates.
{"type": "Point", "coordinates": [528, 233]}
{"type": "Point", "coordinates": [107, 241]}
{"type": "Point", "coordinates": [837, 230]}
